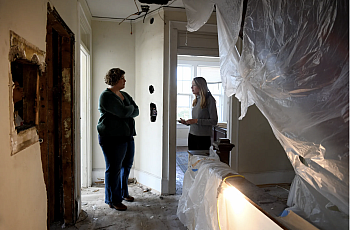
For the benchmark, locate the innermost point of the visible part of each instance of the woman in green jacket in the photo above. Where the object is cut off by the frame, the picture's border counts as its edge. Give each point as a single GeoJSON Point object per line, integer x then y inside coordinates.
{"type": "Point", "coordinates": [116, 128]}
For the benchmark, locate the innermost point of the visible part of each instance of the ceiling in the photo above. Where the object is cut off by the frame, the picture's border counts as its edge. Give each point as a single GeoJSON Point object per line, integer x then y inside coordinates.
{"type": "Point", "coordinates": [120, 9]}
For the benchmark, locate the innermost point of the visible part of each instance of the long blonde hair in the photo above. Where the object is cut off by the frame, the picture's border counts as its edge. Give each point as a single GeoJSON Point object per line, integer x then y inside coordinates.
{"type": "Point", "coordinates": [204, 92]}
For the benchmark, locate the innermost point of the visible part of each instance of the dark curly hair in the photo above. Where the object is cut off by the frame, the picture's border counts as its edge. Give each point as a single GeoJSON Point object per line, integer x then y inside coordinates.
{"type": "Point", "coordinates": [113, 76]}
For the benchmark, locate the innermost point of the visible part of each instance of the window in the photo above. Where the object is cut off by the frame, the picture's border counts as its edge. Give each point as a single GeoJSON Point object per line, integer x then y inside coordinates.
{"type": "Point", "coordinates": [213, 78]}
{"type": "Point", "coordinates": [184, 92]}
{"type": "Point", "coordinates": [207, 67]}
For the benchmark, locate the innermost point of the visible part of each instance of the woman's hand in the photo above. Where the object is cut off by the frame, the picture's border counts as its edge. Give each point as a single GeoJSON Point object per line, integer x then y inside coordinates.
{"type": "Point", "coordinates": [188, 122]}
{"type": "Point", "coordinates": [191, 121]}
{"type": "Point", "coordinates": [182, 121]}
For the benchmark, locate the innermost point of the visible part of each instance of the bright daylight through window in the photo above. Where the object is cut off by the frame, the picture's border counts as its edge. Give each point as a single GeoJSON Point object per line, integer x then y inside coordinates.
{"type": "Point", "coordinates": [189, 67]}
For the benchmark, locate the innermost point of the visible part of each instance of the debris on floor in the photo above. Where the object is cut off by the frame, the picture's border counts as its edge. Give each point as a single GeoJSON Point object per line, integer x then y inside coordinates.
{"type": "Point", "coordinates": [148, 212]}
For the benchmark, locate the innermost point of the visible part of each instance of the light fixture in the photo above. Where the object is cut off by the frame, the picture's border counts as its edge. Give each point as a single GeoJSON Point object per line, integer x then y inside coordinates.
{"type": "Point", "coordinates": [158, 2]}
{"type": "Point", "coordinates": [144, 9]}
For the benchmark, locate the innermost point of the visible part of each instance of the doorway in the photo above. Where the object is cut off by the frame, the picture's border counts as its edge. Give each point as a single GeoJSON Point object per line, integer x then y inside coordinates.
{"type": "Point", "coordinates": [189, 67]}
{"type": "Point", "coordinates": [56, 121]}
{"type": "Point", "coordinates": [203, 42]}
{"type": "Point", "coordinates": [85, 126]}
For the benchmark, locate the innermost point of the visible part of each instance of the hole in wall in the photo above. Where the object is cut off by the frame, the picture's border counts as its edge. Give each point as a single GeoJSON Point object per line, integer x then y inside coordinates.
{"type": "Point", "coordinates": [151, 20]}
{"type": "Point", "coordinates": [153, 112]}
{"type": "Point", "coordinates": [27, 63]}
{"type": "Point", "coordinates": [151, 89]}
{"type": "Point", "coordinates": [24, 78]}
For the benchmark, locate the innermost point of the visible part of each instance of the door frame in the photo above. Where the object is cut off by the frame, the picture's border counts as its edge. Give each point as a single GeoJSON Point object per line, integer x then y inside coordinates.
{"type": "Point", "coordinates": [170, 108]}
{"type": "Point", "coordinates": [86, 148]}
{"type": "Point", "coordinates": [59, 171]}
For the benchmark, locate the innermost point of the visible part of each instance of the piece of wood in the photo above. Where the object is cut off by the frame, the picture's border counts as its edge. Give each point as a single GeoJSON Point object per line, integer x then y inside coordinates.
{"type": "Point", "coordinates": [199, 152]}
{"type": "Point", "coordinates": [266, 203]}
{"type": "Point", "coordinates": [223, 148]}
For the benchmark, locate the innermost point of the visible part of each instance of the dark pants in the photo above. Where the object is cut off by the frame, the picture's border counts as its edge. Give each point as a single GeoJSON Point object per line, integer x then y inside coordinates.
{"type": "Point", "coordinates": [119, 157]}
{"type": "Point", "coordinates": [198, 142]}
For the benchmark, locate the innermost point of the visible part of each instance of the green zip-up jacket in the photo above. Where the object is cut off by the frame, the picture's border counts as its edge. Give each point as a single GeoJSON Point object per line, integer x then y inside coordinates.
{"type": "Point", "coordinates": [116, 116]}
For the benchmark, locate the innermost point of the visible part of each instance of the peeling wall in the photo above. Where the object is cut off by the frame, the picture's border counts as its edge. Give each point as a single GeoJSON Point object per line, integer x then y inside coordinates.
{"type": "Point", "coordinates": [23, 193]}
{"type": "Point", "coordinates": [23, 50]}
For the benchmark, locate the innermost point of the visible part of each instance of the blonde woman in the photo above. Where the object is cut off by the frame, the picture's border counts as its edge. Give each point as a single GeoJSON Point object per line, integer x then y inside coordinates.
{"type": "Point", "coordinates": [204, 116]}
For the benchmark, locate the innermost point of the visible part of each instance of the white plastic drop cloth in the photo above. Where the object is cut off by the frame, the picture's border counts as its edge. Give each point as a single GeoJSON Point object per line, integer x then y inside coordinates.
{"type": "Point", "coordinates": [197, 208]}
{"type": "Point", "coordinates": [295, 67]}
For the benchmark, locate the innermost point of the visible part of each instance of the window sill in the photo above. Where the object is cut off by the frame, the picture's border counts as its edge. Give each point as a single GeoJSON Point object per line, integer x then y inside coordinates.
{"type": "Point", "coordinates": [182, 126]}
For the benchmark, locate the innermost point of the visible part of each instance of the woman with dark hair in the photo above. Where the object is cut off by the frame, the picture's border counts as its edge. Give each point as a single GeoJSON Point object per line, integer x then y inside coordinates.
{"type": "Point", "coordinates": [204, 116]}
{"type": "Point", "coordinates": [116, 128]}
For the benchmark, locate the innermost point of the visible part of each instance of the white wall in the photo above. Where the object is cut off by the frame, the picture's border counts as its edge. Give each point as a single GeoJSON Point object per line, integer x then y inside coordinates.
{"type": "Point", "coordinates": [182, 135]}
{"type": "Point", "coordinates": [257, 154]}
{"type": "Point", "coordinates": [113, 46]}
{"type": "Point", "coordinates": [23, 193]}
{"type": "Point", "coordinates": [149, 55]}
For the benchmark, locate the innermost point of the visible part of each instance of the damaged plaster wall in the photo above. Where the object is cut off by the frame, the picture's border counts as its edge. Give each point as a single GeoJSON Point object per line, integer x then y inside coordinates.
{"type": "Point", "coordinates": [23, 192]}
{"type": "Point", "coordinates": [149, 56]}
{"type": "Point", "coordinates": [113, 46]}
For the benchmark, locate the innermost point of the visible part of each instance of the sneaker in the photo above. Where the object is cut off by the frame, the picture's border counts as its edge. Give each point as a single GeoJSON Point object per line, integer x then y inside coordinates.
{"type": "Point", "coordinates": [119, 207]}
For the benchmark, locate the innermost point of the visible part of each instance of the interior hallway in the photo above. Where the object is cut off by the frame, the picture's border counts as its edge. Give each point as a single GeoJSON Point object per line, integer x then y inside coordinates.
{"type": "Point", "coordinates": [149, 211]}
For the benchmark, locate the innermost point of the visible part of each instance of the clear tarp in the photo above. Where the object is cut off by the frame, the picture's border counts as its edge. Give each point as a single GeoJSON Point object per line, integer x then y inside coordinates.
{"type": "Point", "coordinates": [197, 208]}
{"type": "Point", "coordinates": [295, 67]}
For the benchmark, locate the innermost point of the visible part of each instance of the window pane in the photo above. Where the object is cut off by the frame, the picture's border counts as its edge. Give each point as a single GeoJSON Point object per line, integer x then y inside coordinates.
{"type": "Point", "coordinates": [187, 73]}
{"type": "Point", "coordinates": [215, 88]}
{"type": "Point", "coordinates": [179, 73]}
{"type": "Point", "coordinates": [184, 72]}
{"type": "Point", "coordinates": [179, 86]}
{"type": "Point", "coordinates": [210, 73]}
{"type": "Point", "coordinates": [183, 113]}
{"type": "Point", "coordinates": [217, 100]}
{"type": "Point", "coordinates": [186, 87]}
{"type": "Point", "coordinates": [218, 106]}
{"type": "Point", "coordinates": [183, 101]}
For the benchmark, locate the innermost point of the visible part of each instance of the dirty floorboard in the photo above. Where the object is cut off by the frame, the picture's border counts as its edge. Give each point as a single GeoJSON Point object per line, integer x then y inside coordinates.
{"type": "Point", "coordinates": [149, 211]}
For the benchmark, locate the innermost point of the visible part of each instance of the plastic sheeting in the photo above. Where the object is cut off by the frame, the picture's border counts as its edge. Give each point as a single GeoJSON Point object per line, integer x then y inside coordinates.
{"type": "Point", "coordinates": [197, 208]}
{"type": "Point", "coordinates": [295, 67]}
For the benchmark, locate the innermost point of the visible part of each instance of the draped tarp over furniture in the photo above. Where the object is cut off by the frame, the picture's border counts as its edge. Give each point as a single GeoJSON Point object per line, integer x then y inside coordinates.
{"type": "Point", "coordinates": [295, 67]}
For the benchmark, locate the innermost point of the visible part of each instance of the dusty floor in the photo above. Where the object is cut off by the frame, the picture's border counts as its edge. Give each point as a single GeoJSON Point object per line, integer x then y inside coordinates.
{"type": "Point", "coordinates": [149, 211]}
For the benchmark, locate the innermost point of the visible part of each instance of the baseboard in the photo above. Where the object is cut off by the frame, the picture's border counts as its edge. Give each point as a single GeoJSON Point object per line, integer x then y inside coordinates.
{"type": "Point", "coordinates": [98, 174]}
{"type": "Point", "coordinates": [148, 180]}
{"type": "Point", "coordinates": [272, 177]}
